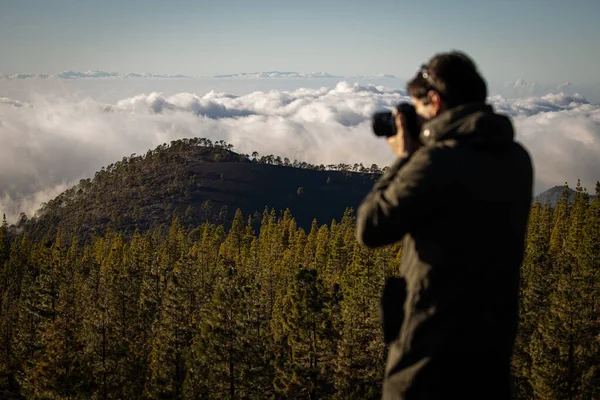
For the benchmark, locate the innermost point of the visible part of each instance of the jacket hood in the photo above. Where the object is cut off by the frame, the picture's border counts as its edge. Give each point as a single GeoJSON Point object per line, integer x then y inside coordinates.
{"type": "Point", "coordinates": [473, 122]}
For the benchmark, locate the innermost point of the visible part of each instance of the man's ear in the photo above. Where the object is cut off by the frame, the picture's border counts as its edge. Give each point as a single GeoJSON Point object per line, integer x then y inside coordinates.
{"type": "Point", "coordinates": [437, 104]}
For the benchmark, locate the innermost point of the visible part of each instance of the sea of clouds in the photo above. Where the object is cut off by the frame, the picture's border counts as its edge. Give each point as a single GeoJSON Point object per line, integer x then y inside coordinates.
{"type": "Point", "coordinates": [50, 141]}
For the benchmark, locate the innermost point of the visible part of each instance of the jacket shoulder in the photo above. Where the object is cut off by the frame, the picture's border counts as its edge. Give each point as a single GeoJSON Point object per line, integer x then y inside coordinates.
{"type": "Point", "coordinates": [442, 159]}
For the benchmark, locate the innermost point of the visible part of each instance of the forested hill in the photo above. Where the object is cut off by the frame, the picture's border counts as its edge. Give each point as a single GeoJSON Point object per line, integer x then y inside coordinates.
{"type": "Point", "coordinates": [198, 180]}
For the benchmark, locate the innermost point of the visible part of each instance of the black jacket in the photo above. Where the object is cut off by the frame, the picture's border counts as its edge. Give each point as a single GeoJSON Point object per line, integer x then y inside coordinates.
{"type": "Point", "coordinates": [461, 202]}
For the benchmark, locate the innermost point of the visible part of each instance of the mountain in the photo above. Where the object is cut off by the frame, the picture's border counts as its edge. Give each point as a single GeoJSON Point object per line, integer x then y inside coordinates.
{"type": "Point", "coordinates": [277, 74]}
{"type": "Point", "coordinates": [97, 74]}
{"type": "Point", "coordinates": [376, 76]}
{"type": "Point", "coordinates": [554, 194]}
{"type": "Point", "coordinates": [300, 75]}
{"type": "Point", "coordinates": [90, 74]}
{"type": "Point", "coordinates": [198, 180]}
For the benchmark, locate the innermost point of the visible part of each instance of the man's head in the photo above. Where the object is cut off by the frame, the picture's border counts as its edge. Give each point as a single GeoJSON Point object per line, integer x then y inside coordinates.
{"type": "Point", "coordinates": [446, 81]}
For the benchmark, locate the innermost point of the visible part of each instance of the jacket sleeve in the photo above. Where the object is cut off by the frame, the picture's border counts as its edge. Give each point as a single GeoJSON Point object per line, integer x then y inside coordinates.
{"type": "Point", "coordinates": [406, 195]}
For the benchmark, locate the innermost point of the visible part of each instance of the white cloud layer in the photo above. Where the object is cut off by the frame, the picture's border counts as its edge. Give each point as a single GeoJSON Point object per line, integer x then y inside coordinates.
{"type": "Point", "coordinates": [49, 143]}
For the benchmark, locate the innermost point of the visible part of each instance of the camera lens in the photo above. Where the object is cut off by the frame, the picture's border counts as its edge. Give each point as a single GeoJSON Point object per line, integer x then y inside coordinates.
{"type": "Point", "coordinates": [384, 124]}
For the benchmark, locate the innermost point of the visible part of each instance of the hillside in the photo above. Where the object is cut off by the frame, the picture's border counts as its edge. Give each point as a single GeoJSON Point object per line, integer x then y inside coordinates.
{"type": "Point", "coordinates": [554, 194]}
{"type": "Point", "coordinates": [198, 180]}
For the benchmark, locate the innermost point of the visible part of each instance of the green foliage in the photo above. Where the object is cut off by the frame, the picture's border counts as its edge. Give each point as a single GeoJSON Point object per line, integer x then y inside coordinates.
{"type": "Point", "coordinates": [274, 312]}
{"type": "Point", "coordinates": [557, 353]}
{"type": "Point", "coordinates": [361, 349]}
{"type": "Point", "coordinates": [303, 374]}
{"type": "Point", "coordinates": [229, 355]}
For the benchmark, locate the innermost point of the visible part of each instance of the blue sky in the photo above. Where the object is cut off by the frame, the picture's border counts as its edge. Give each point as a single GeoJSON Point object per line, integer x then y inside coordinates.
{"type": "Point", "coordinates": [546, 41]}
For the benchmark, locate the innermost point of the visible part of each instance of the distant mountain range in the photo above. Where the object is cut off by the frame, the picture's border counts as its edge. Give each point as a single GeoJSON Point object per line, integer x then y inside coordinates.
{"type": "Point", "coordinates": [90, 74]}
{"type": "Point", "coordinates": [96, 74]}
{"type": "Point", "coordinates": [299, 75]}
{"type": "Point", "coordinates": [376, 76]}
{"type": "Point", "coordinates": [278, 74]}
{"type": "Point", "coordinates": [554, 194]}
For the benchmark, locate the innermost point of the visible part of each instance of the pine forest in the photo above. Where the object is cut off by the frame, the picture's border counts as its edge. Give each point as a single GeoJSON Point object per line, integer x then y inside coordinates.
{"type": "Point", "coordinates": [267, 312]}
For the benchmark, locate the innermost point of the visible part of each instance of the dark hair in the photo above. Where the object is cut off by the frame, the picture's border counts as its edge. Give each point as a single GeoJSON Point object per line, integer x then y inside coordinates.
{"type": "Point", "coordinates": [453, 75]}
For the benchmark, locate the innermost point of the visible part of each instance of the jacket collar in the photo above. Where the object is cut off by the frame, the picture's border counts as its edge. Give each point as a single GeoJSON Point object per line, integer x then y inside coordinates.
{"type": "Point", "coordinates": [473, 121]}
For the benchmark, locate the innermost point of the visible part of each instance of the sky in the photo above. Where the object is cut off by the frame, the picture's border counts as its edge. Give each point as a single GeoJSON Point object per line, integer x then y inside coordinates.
{"type": "Point", "coordinates": [546, 41]}
{"type": "Point", "coordinates": [539, 57]}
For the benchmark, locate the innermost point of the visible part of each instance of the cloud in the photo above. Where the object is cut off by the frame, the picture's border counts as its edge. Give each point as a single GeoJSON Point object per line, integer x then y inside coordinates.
{"type": "Point", "coordinates": [50, 143]}
{"type": "Point", "coordinates": [564, 142]}
{"type": "Point", "coordinates": [520, 87]}
{"type": "Point", "coordinates": [561, 87]}
{"type": "Point", "coordinates": [14, 103]}
{"type": "Point", "coordinates": [529, 106]}
{"type": "Point", "coordinates": [183, 102]}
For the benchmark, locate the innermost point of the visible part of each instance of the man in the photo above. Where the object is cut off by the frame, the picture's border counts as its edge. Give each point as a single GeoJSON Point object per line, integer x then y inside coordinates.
{"type": "Point", "coordinates": [461, 200]}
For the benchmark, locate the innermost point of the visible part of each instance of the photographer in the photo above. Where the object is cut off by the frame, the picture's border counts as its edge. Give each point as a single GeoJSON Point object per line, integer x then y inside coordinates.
{"type": "Point", "coordinates": [459, 194]}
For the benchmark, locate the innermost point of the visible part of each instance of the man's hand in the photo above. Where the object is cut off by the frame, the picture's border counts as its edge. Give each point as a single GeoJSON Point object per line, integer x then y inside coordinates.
{"type": "Point", "coordinates": [402, 143]}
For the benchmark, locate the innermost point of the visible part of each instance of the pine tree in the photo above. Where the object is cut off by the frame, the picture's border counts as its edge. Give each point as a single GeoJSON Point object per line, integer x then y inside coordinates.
{"type": "Point", "coordinates": [311, 246]}
{"type": "Point", "coordinates": [337, 255]}
{"type": "Point", "coordinates": [248, 262]}
{"type": "Point", "coordinates": [589, 314]}
{"type": "Point", "coordinates": [270, 252]}
{"type": "Point", "coordinates": [575, 299]}
{"type": "Point", "coordinates": [27, 336]}
{"type": "Point", "coordinates": [553, 347]}
{"type": "Point", "coordinates": [60, 371]}
{"type": "Point", "coordinates": [103, 326]}
{"type": "Point", "coordinates": [229, 358]}
{"type": "Point", "coordinates": [15, 268]}
{"type": "Point", "coordinates": [153, 284]}
{"type": "Point", "coordinates": [535, 291]}
{"type": "Point", "coordinates": [135, 323]}
{"type": "Point", "coordinates": [302, 374]}
{"type": "Point", "coordinates": [42, 301]}
{"type": "Point", "coordinates": [359, 369]}
{"type": "Point", "coordinates": [298, 246]}
{"type": "Point", "coordinates": [289, 260]}
{"type": "Point", "coordinates": [231, 249]}
{"type": "Point", "coordinates": [4, 256]}
{"type": "Point", "coordinates": [321, 249]}
{"type": "Point", "coordinates": [174, 332]}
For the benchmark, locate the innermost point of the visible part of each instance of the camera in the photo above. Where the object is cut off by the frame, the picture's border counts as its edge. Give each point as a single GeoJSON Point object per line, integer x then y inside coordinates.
{"type": "Point", "coordinates": [384, 124]}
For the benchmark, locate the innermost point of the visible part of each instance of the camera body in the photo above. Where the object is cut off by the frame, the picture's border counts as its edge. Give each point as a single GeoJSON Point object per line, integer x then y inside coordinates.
{"type": "Point", "coordinates": [384, 124]}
